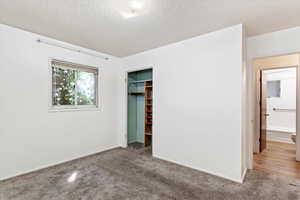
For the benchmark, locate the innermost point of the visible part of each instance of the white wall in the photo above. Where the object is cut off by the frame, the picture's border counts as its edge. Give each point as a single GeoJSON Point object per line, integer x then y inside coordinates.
{"type": "Point", "coordinates": [271, 44]}
{"type": "Point", "coordinates": [282, 121]}
{"type": "Point", "coordinates": [31, 137]}
{"type": "Point", "coordinates": [274, 44]}
{"type": "Point", "coordinates": [197, 104]}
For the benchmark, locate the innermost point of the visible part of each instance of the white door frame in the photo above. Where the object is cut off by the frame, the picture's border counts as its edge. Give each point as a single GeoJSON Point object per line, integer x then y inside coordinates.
{"type": "Point", "coordinates": [125, 125]}
{"type": "Point", "coordinates": [256, 67]}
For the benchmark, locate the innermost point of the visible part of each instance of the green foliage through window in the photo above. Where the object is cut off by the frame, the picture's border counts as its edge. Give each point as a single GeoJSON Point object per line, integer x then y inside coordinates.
{"type": "Point", "coordinates": [72, 86]}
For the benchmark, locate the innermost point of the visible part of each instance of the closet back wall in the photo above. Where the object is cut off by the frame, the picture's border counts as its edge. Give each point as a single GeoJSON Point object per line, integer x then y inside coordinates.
{"type": "Point", "coordinates": [31, 137]}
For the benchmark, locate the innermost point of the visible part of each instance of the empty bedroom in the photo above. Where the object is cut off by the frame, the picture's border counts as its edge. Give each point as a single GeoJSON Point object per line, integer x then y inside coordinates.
{"type": "Point", "coordinates": [149, 99]}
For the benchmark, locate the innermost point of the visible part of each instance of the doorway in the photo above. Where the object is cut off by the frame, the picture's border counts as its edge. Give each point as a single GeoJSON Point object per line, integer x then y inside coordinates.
{"type": "Point", "coordinates": [139, 110]}
{"type": "Point", "coordinates": [278, 108]}
{"type": "Point", "coordinates": [277, 116]}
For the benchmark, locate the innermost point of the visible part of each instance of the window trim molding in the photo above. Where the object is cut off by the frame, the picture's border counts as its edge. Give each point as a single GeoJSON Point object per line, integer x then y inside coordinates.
{"type": "Point", "coordinates": [70, 108]}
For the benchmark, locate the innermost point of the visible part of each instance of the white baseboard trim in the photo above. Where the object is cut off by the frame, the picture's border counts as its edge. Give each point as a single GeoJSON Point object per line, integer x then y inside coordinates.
{"type": "Point", "coordinates": [283, 140]}
{"type": "Point", "coordinates": [57, 163]}
{"type": "Point", "coordinates": [203, 170]}
{"type": "Point", "coordinates": [244, 175]}
{"type": "Point", "coordinates": [279, 136]}
{"type": "Point", "coordinates": [281, 129]}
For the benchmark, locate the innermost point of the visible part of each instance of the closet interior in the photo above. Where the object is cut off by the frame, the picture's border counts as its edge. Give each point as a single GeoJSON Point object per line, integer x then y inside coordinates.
{"type": "Point", "coordinates": [139, 133]}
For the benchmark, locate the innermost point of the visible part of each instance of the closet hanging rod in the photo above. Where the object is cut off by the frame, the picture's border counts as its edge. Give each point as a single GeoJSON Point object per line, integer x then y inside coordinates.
{"type": "Point", "coordinates": [70, 48]}
{"type": "Point", "coordinates": [141, 81]}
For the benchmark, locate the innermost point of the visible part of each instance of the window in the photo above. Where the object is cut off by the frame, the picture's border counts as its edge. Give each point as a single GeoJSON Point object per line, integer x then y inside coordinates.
{"type": "Point", "coordinates": [73, 85]}
{"type": "Point", "coordinates": [273, 88]}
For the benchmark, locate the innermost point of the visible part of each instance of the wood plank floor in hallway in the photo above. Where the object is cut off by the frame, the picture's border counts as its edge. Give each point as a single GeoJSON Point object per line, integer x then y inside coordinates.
{"type": "Point", "coordinates": [279, 158]}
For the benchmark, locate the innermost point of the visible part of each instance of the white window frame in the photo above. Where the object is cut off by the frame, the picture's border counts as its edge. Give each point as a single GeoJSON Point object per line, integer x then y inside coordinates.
{"type": "Point", "coordinates": [62, 108]}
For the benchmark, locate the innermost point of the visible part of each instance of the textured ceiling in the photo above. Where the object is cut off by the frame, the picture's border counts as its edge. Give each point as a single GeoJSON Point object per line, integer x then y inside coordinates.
{"type": "Point", "coordinates": [99, 24]}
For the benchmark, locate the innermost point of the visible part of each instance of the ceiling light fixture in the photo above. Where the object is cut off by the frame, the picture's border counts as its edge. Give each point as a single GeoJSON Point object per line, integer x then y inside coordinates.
{"type": "Point", "coordinates": [136, 5]}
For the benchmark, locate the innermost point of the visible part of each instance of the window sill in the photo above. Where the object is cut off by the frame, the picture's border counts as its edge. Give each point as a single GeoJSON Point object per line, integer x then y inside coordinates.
{"type": "Point", "coordinates": [55, 109]}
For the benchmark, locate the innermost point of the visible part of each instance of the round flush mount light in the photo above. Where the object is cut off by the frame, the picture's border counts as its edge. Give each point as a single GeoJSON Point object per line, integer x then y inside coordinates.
{"type": "Point", "coordinates": [136, 5]}
{"type": "Point", "coordinates": [134, 9]}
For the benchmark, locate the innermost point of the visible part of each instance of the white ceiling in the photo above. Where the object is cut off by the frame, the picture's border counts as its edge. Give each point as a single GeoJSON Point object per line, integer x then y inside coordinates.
{"type": "Point", "coordinates": [99, 25]}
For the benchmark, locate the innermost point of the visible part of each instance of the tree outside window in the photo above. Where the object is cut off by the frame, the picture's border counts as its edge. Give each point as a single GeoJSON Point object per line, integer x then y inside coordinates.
{"type": "Point", "coordinates": [73, 85]}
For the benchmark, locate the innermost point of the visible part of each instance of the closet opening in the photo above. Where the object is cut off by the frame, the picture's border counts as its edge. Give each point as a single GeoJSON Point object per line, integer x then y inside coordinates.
{"type": "Point", "coordinates": [139, 110]}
